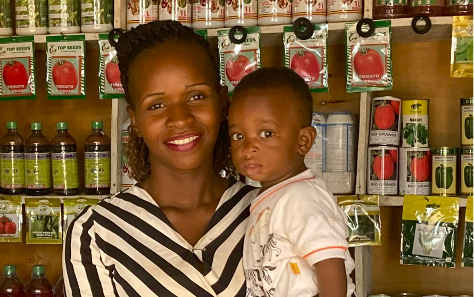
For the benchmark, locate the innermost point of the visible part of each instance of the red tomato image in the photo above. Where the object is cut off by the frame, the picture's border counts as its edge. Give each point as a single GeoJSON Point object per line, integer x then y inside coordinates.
{"type": "Point", "coordinates": [238, 67]}
{"type": "Point", "coordinates": [384, 116]}
{"type": "Point", "coordinates": [368, 64]}
{"type": "Point", "coordinates": [396, 106]}
{"type": "Point", "coordinates": [420, 168]}
{"type": "Point", "coordinates": [65, 76]}
{"type": "Point", "coordinates": [9, 228]}
{"type": "Point", "coordinates": [15, 76]}
{"type": "Point", "coordinates": [1, 227]}
{"type": "Point", "coordinates": [112, 73]}
{"type": "Point", "coordinates": [383, 166]}
{"type": "Point", "coordinates": [394, 154]}
{"type": "Point", "coordinates": [306, 65]}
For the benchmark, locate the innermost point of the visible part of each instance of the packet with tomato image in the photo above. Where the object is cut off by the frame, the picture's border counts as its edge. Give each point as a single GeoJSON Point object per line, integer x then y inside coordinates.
{"type": "Point", "coordinates": [11, 219]}
{"type": "Point", "coordinates": [369, 59]}
{"type": "Point", "coordinates": [66, 67]}
{"type": "Point", "coordinates": [73, 207]}
{"type": "Point", "coordinates": [17, 66]}
{"type": "Point", "coordinates": [43, 220]}
{"type": "Point", "coordinates": [110, 86]}
{"type": "Point", "coordinates": [238, 60]}
{"type": "Point", "coordinates": [308, 57]}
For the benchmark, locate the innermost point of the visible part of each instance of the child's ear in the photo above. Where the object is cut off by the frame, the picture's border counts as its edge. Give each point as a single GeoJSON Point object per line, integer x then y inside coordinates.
{"type": "Point", "coordinates": [306, 139]}
{"type": "Point", "coordinates": [131, 114]}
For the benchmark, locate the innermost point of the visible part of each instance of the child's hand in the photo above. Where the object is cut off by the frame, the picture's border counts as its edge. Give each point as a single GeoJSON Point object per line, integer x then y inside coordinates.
{"type": "Point", "coordinates": [332, 279]}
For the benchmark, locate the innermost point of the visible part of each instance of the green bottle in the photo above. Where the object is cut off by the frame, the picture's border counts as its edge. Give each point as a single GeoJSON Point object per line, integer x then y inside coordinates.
{"type": "Point", "coordinates": [37, 162]}
{"type": "Point", "coordinates": [13, 161]}
{"type": "Point", "coordinates": [97, 161]}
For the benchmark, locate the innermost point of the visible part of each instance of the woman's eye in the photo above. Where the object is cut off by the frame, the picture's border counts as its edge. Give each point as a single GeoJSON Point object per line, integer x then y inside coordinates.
{"type": "Point", "coordinates": [196, 97]}
{"type": "Point", "coordinates": [266, 134]}
{"type": "Point", "coordinates": [236, 136]}
{"type": "Point", "coordinates": [157, 106]}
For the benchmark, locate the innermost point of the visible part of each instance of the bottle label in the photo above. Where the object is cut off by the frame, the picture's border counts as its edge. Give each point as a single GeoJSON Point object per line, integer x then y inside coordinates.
{"type": "Point", "coordinates": [65, 173]}
{"type": "Point", "coordinates": [38, 170]}
{"type": "Point", "coordinates": [63, 13]}
{"type": "Point", "coordinates": [142, 11]}
{"type": "Point", "coordinates": [32, 15]}
{"type": "Point", "coordinates": [96, 12]}
{"type": "Point", "coordinates": [458, 2]}
{"type": "Point", "coordinates": [97, 169]}
{"type": "Point", "coordinates": [176, 10]}
{"type": "Point", "coordinates": [274, 9]}
{"type": "Point", "coordinates": [344, 7]}
{"type": "Point", "coordinates": [241, 10]}
{"type": "Point", "coordinates": [13, 170]}
{"type": "Point", "coordinates": [390, 2]}
{"type": "Point", "coordinates": [5, 14]}
{"type": "Point", "coordinates": [415, 3]}
{"type": "Point", "coordinates": [208, 11]}
{"type": "Point", "coordinates": [305, 8]}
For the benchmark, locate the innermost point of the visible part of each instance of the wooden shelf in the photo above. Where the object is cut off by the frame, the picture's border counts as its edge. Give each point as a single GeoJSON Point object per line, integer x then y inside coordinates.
{"type": "Point", "coordinates": [398, 201]}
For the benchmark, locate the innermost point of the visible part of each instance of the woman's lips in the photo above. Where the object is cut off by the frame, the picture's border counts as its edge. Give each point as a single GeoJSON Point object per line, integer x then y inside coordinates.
{"type": "Point", "coordinates": [183, 143]}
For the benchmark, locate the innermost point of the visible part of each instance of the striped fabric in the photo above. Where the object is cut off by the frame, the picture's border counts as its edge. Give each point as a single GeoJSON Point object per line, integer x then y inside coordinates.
{"type": "Point", "coordinates": [125, 246]}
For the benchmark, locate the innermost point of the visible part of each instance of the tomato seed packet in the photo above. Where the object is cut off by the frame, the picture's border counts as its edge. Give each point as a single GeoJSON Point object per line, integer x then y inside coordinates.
{"type": "Point", "coordinates": [308, 57]}
{"type": "Point", "coordinates": [468, 236]}
{"type": "Point", "coordinates": [462, 47]}
{"type": "Point", "coordinates": [109, 73]}
{"type": "Point", "coordinates": [43, 221]}
{"type": "Point", "coordinates": [369, 60]}
{"type": "Point", "coordinates": [11, 219]}
{"type": "Point", "coordinates": [238, 60]}
{"type": "Point", "coordinates": [429, 230]}
{"type": "Point", "coordinates": [17, 66]}
{"type": "Point", "coordinates": [73, 207]}
{"type": "Point", "coordinates": [66, 67]}
{"type": "Point", "coordinates": [363, 219]}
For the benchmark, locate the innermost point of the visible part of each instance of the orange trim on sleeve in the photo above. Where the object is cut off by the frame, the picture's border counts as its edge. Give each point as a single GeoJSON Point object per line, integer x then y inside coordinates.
{"type": "Point", "coordinates": [326, 248]}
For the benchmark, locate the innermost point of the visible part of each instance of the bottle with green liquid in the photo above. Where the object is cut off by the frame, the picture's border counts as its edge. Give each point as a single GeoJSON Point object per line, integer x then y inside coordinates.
{"type": "Point", "coordinates": [37, 162]}
{"type": "Point", "coordinates": [12, 161]}
{"type": "Point", "coordinates": [97, 161]}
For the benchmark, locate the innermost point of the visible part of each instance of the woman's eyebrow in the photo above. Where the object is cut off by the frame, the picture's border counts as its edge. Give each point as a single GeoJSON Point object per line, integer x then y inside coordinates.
{"type": "Point", "coordinates": [197, 84]}
{"type": "Point", "coordinates": [152, 94]}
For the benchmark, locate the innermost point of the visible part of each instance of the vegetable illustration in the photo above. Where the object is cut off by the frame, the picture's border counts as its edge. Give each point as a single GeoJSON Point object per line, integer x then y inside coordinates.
{"type": "Point", "coordinates": [468, 175]}
{"type": "Point", "coordinates": [396, 106]}
{"type": "Point", "coordinates": [428, 240]}
{"type": "Point", "coordinates": [383, 166]}
{"type": "Point", "coordinates": [237, 67]}
{"type": "Point", "coordinates": [306, 65]}
{"type": "Point", "coordinates": [65, 76]}
{"type": "Point", "coordinates": [112, 73]}
{"type": "Point", "coordinates": [384, 116]}
{"type": "Point", "coordinates": [10, 227]}
{"type": "Point", "coordinates": [414, 133]}
{"type": "Point", "coordinates": [444, 177]}
{"type": "Point", "coordinates": [469, 126]}
{"type": "Point", "coordinates": [464, 49]}
{"type": "Point", "coordinates": [420, 168]}
{"type": "Point", "coordinates": [368, 64]}
{"type": "Point", "coordinates": [394, 154]}
{"type": "Point", "coordinates": [15, 76]}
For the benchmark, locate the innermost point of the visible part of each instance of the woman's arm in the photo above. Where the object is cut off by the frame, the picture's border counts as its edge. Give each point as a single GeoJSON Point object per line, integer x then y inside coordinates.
{"type": "Point", "coordinates": [83, 271]}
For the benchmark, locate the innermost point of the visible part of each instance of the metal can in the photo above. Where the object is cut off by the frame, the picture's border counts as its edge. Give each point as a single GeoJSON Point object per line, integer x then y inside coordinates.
{"type": "Point", "coordinates": [467, 121]}
{"type": "Point", "coordinates": [407, 295]}
{"type": "Point", "coordinates": [415, 171]}
{"type": "Point", "coordinates": [340, 146]}
{"type": "Point", "coordinates": [385, 121]}
{"type": "Point", "coordinates": [467, 170]}
{"type": "Point", "coordinates": [415, 123]}
{"type": "Point", "coordinates": [315, 158]}
{"type": "Point", "coordinates": [443, 171]}
{"type": "Point", "coordinates": [142, 12]}
{"type": "Point", "coordinates": [382, 172]}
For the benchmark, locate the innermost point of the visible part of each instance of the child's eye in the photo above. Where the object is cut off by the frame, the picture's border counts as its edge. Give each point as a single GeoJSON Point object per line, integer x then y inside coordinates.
{"type": "Point", "coordinates": [196, 97]}
{"type": "Point", "coordinates": [236, 136]}
{"type": "Point", "coordinates": [266, 134]}
{"type": "Point", "coordinates": [157, 106]}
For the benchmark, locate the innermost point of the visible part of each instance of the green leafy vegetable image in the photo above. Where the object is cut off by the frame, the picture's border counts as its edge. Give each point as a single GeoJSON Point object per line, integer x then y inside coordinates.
{"type": "Point", "coordinates": [464, 49]}
{"type": "Point", "coordinates": [414, 133]}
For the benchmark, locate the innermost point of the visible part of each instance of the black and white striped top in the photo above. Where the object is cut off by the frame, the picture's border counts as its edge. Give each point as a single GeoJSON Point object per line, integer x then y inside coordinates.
{"type": "Point", "coordinates": [125, 246]}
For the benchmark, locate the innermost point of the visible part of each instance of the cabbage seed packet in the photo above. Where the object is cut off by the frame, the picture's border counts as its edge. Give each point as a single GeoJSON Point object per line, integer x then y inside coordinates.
{"type": "Point", "coordinates": [43, 221]}
{"type": "Point", "coordinates": [73, 207]}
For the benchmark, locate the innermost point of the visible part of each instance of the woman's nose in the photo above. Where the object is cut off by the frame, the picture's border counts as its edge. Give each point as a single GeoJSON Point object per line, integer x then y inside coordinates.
{"type": "Point", "coordinates": [179, 116]}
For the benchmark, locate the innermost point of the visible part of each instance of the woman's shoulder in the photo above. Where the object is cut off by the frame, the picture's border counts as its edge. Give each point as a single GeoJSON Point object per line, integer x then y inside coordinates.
{"type": "Point", "coordinates": [239, 192]}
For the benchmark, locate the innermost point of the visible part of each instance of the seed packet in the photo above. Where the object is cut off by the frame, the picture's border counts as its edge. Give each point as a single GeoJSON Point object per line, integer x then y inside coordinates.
{"type": "Point", "coordinates": [429, 230]}
{"type": "Point", "coordinates": [73, 207]}
{"type": "Point", "coordinates": [308, 57]}
{"type": "Point", "coordinates": [363, 219]}
{"type": "Point", "coordinates": [203, 33]}
{"type": "Point", "coordinates": [43, 221]}
{"type": "Point", "coordinates": [369, 60]}
{"type": "Point", "coordinates": [17, 66]}
{"type": "Point", "coordinates": [238, 60]}
{"type": "Point", "coordinates": [66, 67]}
{"type": "Point", "coordinates": [462, 47]}
{"type": "Point", "coordinates": [468, 236]}
{"type": "Point", "coordinates": [11, 219]}
{"type": "Point", "coordinates": [109, 73]}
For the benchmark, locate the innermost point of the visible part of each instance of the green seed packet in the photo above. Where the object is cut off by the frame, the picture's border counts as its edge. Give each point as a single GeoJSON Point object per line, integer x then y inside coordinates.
{"type": "Point", "coordinates": [73, 207]}
{"type": "Point", "coordinates": [363, 219]}
{"type": "Point", "coordinates": [11, 219]}
{"type": "Point", "coordinates": [203, 33]}
{"type": "Point", "coordinates": [43, 221]}
{"type": "Point", "coordinates": [429, 230]}
{"type": "Point", "coordinates": [468, 236]}
{"type": "Point", "coordinates": [462, 47]}
{"type": "Point", "coordinates": [110, 86]}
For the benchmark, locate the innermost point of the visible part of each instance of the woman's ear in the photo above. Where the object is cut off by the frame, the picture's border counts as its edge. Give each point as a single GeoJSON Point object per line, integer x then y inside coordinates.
{"type": "Point", "coordinates": [224, 95]}
{"type": "Point", "coordinates": [306, 138]}
{"type": "Point", "coordinates": [133, 123]}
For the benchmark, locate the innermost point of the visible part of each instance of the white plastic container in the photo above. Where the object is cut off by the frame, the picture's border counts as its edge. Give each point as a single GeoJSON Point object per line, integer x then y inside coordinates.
{"type": "Point", "coordinates": [31, 19]}
{"type": "Point", "coordinates": [344, 10]}
{"type": "Point", "coordinates": [208, 14]}
{"type": "Point", "coordinates": [142, 12]}
{"type": "Point", "coordinates": [64, 16]}
{"type": "Point", "coordinates": [241, 13]}
{"type": "Point", "coordinates": [313, 10]}
{"type": "Point", "coordinates": [6, 18]}
{"type": "Point", "coordinates": [96, 16]}
{"type": "Point", "coordinates": [176, 10]}
{"type": "Point", "coordinates": [340, 149]}
{"type": "Point", "coordinates": [274, 12]}
{"type": "Point", "coordinates": [127, 182]}
{"type": "Point", "coordinates": [315, 158]}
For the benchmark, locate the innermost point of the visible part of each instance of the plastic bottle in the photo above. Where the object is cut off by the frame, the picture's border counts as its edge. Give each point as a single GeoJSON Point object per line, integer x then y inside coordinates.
{"type": "Point", "coordinates": [458, 7]}
{"type": "Point", "coordinates": [142, 12]}
{"type": "Point", "coordinates": [344, 10]}
{"type": "Point", "coordinates": [64, 162]}
{"type": "Point", "coordinates": [391, 9]}
{"type": "Point", "coordinates": [10, 283]}
{"type": "Point", "coordinates": [241, 13]}
{"type": "Point", "coordinates": [59, 287]}
{"type": "Point", "coordinates": [5, 18]}
{"type": "Point", "coordinates": [37, 162]}
{"type": "Point", "coordinates": [208, 14]}
{"type": "Point", "coordinates": [340, 149]}
{"type": "Point", "coordinates": [176, 10]}
{"type": "Point", "coordinates": [97, 161]}
{"type": "Point", "coordinates": [38, 285]}
{"type": "Point", "coordinates": [96, 15]}
{"type": "Point", "coordinates": [127, 181]}
{"type": "Point", "coordinates": [64, 16]}
{"type": "Point", "coordinates": [13, 161]}
{"type": "Point", "coordinates": [31, 19]}
{"type": "Point", "coordinates": [313, 10]}
{"type": "Point", "coordinates": [271, 12]}
{"type": "Point", "coordinates": [427, 7]}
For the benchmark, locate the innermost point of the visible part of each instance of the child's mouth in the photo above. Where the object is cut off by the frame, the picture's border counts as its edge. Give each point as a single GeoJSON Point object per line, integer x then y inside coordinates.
{"type": "Point", "coordinates": [252, 169]}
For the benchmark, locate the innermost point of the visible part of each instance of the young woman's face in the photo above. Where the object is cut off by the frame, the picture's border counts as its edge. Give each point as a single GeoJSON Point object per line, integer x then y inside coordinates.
{"type": "Point", "coordinates": [177, 105]}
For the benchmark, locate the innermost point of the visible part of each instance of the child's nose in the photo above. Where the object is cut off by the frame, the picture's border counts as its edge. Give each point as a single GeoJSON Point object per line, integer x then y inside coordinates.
{"type": "Point", "coordinates": [249, 147]}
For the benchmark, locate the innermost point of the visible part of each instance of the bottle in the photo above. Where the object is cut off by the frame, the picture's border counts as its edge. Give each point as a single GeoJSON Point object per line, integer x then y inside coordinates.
{"type": "Point", "coordinates": [390, 9]}
{"type": "Point", "coordinates": [97, 161]}
{"type": "Point", "coordinates": [127, 181]}
{"type": "Point", "coordinates": [313, 10]}
{"type": "Point", "coordinates": [344, 10]}
{"type": "Point", "coordinates": [5, 18]}
{"type": "Point", "coordinates": [38, 285]}
{"type": "Point", "coordinates": [208, 14]}
{"type": "Point", "coordinates": [176, 10]}
{"type": "Point", "coordinates": [272, 12]}
{"type": "Point", "coordinates": [13, 161]}
{"type": "Point", "coordinates": [427, 7]}
{"type": "Point", "coordinates": [10, 283]}
{"type": "Point", "coordinates": [64, 16]}
{"type": "Point", "coordinates": [458, 7]}
{"type": "Point", "coordinates": [59, 287]}
{"type": "Point", "coordinates": [31, 19]}
{"type": "Point", "coordinates": [241, 13]}
{"type": "Point", "coordinates": [64, 162]}
{"type": "Point", "coordinates": [142, 11]}
{"type": "Point", "coordinates": [37, 162]}
{"type": "Point", "coordinates": [96, 15]}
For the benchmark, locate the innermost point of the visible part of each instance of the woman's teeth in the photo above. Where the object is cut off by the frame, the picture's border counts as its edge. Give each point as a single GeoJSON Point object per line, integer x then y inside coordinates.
{"type": "Point", "coordinates": [183, 141]}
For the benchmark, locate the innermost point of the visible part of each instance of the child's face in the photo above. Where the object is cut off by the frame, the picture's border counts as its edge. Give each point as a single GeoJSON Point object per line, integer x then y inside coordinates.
{"type": "Point", "coordinates": [177, 105]}
{"type": "Point", "coordinates": [268, 141]}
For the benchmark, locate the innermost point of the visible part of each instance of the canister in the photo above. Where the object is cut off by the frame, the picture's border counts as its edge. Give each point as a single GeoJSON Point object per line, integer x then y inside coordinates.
{"type": "Point", "coordinates": [415, 171]}
{"type": "Point", "coordinates": [466, 170]}
{"type": "Point", "coordinates": [443, 172]}
{"type": "Point", "coordinates": [385, 122]}
{"type": "Point", "coordinates": [382, 173]}
{"type": "Point", "coordinates": [415, 123]}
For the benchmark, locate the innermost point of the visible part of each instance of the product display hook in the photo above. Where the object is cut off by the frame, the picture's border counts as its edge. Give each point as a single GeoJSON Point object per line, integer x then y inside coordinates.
{"type": "Point", "coordinates": [303, 28]}
{"type": "Point", "coordinates": [114, 36]}
{"type": "Point", "coordinates": [234, 30]}
{"type": "Point", "coordinates": [364, 23]}
{"type": "Point", "coordinates": [421, 29]}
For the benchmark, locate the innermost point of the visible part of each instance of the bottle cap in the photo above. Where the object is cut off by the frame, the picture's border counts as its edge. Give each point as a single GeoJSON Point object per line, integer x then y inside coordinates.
{"type": "Point", "coordinates": [9, 269]}
{"type": "Point", "coordinates": [12, 125]}
{"type": "Point", "coordinates": [97, 125]}
{"type": "Point", "coordinates": [61, 126]}
{"type": "Point", "coordinates": [38, 269]}
{"type": "Point", "coordinates": [36, 126]}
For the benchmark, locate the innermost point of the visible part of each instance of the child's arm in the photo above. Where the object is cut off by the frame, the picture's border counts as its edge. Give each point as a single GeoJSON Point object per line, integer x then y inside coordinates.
{"type": "Point", "coordinates": [331, 276]}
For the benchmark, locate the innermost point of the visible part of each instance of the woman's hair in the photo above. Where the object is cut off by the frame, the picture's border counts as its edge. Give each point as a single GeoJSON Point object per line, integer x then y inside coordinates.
{"type": "Point", "coordinates": [129, 46]}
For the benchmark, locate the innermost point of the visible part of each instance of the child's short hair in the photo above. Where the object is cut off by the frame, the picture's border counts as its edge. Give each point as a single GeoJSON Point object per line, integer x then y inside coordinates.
{"type": "Point", "coordinates": [275, 77]}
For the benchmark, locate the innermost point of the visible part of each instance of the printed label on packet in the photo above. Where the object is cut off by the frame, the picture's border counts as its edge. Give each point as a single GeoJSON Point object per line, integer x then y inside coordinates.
{"type": "Point", "coordinates": [109, 72]}
{"type": "Point", "coordinates": [43, 221]}
{"type": "Point", "coordinates": [11, 219]}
